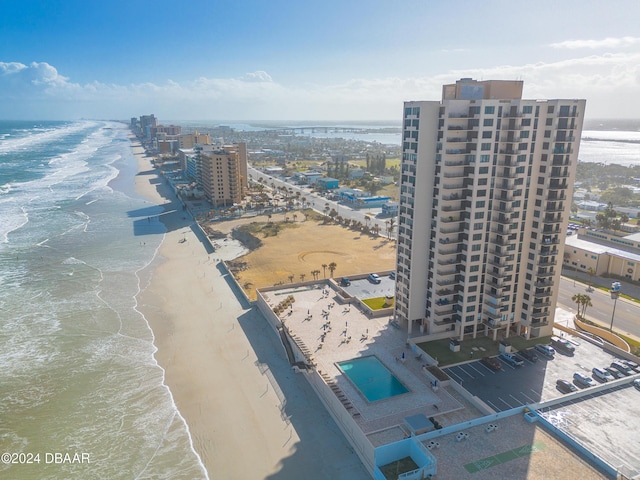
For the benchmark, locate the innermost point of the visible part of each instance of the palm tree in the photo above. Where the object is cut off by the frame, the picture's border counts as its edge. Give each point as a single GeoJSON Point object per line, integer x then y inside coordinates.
{"type": "Point", "coordinates": [291, 277]}
{"type": "Point", "coordinates": [391, 226]}
{"type": "Point", "coordinates": [315, 274]}
{"type": "Point", "coordinates": [583, 302]}
{"type": "Point", "coordinates": [332, 267]}
{"type": "Point", "coordinates": [324, 269]}
{"type": "Point", "coordinates": [302, 275]}
{"type": "Point", "coordinates": [591, 273]}
{"type": "Point", "coordinates": [268, 217]}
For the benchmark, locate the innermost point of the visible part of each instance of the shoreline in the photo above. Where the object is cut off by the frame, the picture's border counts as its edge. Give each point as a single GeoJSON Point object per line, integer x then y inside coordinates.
{"type": "Point", "coordinates": [228, 405]}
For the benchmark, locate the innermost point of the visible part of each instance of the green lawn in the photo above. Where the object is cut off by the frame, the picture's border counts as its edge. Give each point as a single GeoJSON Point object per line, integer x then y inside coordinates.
{"type": "Point", "coordinates": [377, 303]}
{"type": "Point", "coordinates": [439, 349]}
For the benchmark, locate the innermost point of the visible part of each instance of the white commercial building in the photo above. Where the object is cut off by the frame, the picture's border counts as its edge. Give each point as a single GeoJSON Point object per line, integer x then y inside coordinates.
{"type": "Point", "coordinates": [485, 196]}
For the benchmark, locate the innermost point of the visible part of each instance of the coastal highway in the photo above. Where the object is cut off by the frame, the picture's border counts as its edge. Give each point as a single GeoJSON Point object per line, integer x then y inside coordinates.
{"type": "Point", "coordinates": [627, 315]}
{"type": "Point", "coordinates": [318, 202]}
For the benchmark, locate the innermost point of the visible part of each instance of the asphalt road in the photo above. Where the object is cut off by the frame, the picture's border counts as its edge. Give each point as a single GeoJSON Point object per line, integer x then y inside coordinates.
{"type": "Point", "coordinates": [627, 314]}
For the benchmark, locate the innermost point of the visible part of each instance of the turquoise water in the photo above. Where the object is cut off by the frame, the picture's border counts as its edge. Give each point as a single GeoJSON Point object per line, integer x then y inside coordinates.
{"type": "Point", "coordinates": [372, 378]}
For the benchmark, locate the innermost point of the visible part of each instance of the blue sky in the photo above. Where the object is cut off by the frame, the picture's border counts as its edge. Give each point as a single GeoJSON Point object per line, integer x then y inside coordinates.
{"type": "Point", "coordinates": [298, 60]}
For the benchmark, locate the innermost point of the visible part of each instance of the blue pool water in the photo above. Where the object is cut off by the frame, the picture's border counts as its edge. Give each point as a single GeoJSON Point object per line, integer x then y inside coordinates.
{"type": "Point", "coordinates": [372, 378]}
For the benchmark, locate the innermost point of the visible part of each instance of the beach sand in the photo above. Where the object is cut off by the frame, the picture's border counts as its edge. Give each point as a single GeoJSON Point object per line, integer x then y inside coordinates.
{"type": "Point", "coordinates": [224, 366]}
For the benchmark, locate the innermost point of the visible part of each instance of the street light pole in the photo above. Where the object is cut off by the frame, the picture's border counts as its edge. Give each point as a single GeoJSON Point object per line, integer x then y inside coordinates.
{"type": "Point", "coordinates": [615, 293]}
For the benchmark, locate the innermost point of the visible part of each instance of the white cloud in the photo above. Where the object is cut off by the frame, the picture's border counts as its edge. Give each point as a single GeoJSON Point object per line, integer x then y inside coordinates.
{"type": "Point", "coordinates": [609, 82]}
{"type": "Point", "coordinates": [609, 42]}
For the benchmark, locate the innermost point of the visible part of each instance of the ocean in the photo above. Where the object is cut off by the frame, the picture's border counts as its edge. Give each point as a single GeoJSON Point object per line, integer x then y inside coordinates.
{"type": "Point", "coordinates": [81, 395]}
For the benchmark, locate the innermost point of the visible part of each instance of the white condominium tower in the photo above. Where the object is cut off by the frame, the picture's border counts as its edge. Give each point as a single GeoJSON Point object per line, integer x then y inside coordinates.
{"type": "Point", "coordinates": [485, 196]}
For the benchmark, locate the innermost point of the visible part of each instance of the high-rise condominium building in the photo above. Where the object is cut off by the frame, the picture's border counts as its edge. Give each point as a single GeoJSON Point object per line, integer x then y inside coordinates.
{"type": "Point", "coordinates": [224, 174]}
{"type": "Point", "coordinates": [485, 195]}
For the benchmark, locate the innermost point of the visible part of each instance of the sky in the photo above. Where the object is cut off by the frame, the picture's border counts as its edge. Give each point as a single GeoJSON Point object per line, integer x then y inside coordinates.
{"type": "Point", "coordinates": [305, 60]}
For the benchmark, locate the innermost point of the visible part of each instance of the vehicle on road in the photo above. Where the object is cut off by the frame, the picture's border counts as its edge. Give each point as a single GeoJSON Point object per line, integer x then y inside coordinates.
{"type": "Point", "coordinates": [511, 360]}
{"type": "Point", "coordinates": [565, 386]}
{"type": "Point", "coordinates": [615, 373]}
{"type": "Point", "coordinates": [529, 354]}
{"type": "Point", "coordinates": [636, 383]}
{"type": "Point", "coordinates": [602, 375]}
{"type": "Point", "coordinates": [582, 380]}
{"type": "Point", "coordinates": [622, 367]}
{"type": "Point", "coordinates": [563, 345]}
{"type": "Point", "coordinates": [374, 278]}
{"type": "Point", "coordinates": [345, 282]}
{"type": "Point", "coordinates": [546, 350]}
{"type": "Point", "coordinates": [492, 363]}
{"type": "Point", "coordinates": [392, 275]}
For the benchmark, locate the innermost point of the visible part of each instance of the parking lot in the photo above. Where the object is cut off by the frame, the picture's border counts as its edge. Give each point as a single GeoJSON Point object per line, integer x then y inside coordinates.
{"type": "Point", "coordinates": [363, 288]}
{"type": "Point", "coordinates": [534, 382]}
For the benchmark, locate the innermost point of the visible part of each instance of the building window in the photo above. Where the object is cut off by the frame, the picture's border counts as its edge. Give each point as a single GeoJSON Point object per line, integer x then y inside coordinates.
{"type": "Point", "coordinates": [485, 158]}
{"type": "Point", "coordinates": [478, 226]}
{"type": "Point", "coordinates": [480, 204]}
{"type": "Point", "coordinates": [479, 215]}
{"type": "Point", "coordinates": [471, 308]}
{"type": "Point", "coordinates": [486, 146]}
{"type": "Point", "coordinates": [476, 247]}
{"type": "Point", "coordinates": [486, 134]}
{"type": "Point", "coordinates": [487, 122]}
{"type": "Point", "coordinates": [527, 109]}
{"type": "Point", "coordinates": [475, 258]}
{"type": "Point", "coordinates": [490, 110]}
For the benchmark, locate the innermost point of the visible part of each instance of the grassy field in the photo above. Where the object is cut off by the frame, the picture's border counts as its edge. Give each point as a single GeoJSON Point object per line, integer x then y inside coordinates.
{"type": "Point", "coordinates": [292, 251]}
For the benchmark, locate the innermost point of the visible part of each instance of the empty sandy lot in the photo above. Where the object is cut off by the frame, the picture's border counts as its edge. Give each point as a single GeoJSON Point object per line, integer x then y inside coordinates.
{"type": "Point", "coordinates": [304, 246]}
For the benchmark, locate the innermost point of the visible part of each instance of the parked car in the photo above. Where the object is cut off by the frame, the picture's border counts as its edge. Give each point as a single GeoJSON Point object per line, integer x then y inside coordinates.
{"type": "Point", "coordinates": [602, 374]}
{"type": "Point", "coordinates": [374, 278]}
{"type": "Point", "coordinates": [511, 360]}
{"type": "Point", "coordinates": [636, 383]}
{"type": "Point", "coordinates": [519, 357]}
{"type": "Point", "coordinates": [563, 345]}
{"type": "Point", "coordinates": [345, 282]}
{"type": "Point", "coordinates": [546, 350]}
{"type": "Point", "coordinates": [632, 365]}
{"type": "Point", "coordinates": [582, 380]}
{"type": "Point", "coordinates": [529, 354]}
{"type": "Point", "coordinates": [622, 367]}
{"type": "Point", "coordinates": [492, 363]}
{"type": "Point", "coordinates": [392, 275]}
{"type": "Point", "coordinates": [566, 387]}
{"type": "Point", "coordinates": [614, 373]}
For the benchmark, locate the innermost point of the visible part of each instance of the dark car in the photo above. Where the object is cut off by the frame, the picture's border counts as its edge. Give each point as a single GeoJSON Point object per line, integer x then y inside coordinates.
{"type": "Point", "coordinates": [615, 373]}
{"type": "Point", "coordinates": [563, 345]}
{"type": "Point", "coordinates": [528, 354]}
{"type": "Point", "coordinates": [345, 282]}
{"type": "Point", "coordinates": [566, 387]}
{"type": "Point", "coordinates": [632, 365]}
{"type": "Point", "coordinates": [491, 362]}
{"type": "Point", "coordinates": [622, 367]}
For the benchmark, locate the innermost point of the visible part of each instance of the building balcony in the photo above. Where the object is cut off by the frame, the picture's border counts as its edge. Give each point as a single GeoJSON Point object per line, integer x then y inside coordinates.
{"type": "Point", "coordinates": [443, 261]}
{"type": "Point", "coordinates": [447, 272]}
{"type": "Point", "coordinates": [502, 220]}
{"type": "Point", "coordinates": [454, 174]}
{"type": "Point", "coordinates": [543, 294]}
{"type": "Point", "coordinates": [507, 162]}
{"type": "Point", "coordinates": [562, 174]}
{"type": "Point", "coordinates": [501, 208]}
{"type": "Point", "coordinates": [444, 321]}
{"type": "Point", "coordinates": [451, 219]}
{"type": "Point", "coordinates": [558, 186]}
{"type": "Point", "coordinates": [495, 283]}
{"type": "Point", "coordinates": [550, 241]}
{"type": "Point", "coordinates": [453, 186]}
{"type": "Point", "coordinates": [560, 163]}
{"type": "Point", "coordinates": [445, 281]}
{"type": "Point", "coordinates": [546, 262]}
{"type": "Point", "coordinates": [541, 303]}
{"type": "Point", "coordinates": [502, 253]}
{"type": "Point", "coordinates": [548, 282]}
{"type": "Point", "coordinates": [493, 302]}
{"type": "Point", "coordinates": [547, 274]}
{"type": "Point", "coordinates": [457, 139]}
{"type": "Point", "coordinates": [540, 314]}
{"type": "Point", "coordinates": [554, 208]}
{"type": "Point", "coordinates": [548, 251]}
{"type": "Point", "coordinates": [497, 316]}
{"type": "Point", "coordinates": [496, 322]}
{"type": "Point", "coordinates": [449, 251]}
{"type": "Point", "coordinates": [498, 263]}
{"type": "Point", "coordinates": [451, 197]}
{"type": "Point", "coordinates": [459, 207]}
{"type": "Point", "coordinates": [450, 310]}
{"type": "Point", "coordinates": [553, 219]}
{"type": "Point", "coordinates": [445, 291]}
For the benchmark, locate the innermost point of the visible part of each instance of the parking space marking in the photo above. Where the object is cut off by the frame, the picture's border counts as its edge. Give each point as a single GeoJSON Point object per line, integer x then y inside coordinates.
{"type": "Point", "coordinates": [516, 399]}
{"type": "Point", "coordinates": [454, 374]}
{"type": "Point", "coordinates": [465, 371]}
{"type": "Point", "coordinates": [528, 398]}
{"type": "Point", "coordinates": [471, 365]}
{"type": "Point", "coordinates": [490, 403]}
{"type": "Point", "coordinates": [505, 402]}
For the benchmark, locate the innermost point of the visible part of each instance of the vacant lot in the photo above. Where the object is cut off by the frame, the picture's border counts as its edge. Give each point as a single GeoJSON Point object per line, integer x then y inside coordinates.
{"type": "Point", "coordinates": [303, 246]}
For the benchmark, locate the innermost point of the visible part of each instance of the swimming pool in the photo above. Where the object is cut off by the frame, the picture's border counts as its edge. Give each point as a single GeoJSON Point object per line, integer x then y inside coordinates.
{"type": "Point", "coordinates": [372, 378]}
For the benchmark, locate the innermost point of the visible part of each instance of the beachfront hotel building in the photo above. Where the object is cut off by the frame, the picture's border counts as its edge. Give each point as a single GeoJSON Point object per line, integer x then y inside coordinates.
{"type": "Point", "coordinates": [485, 194]}
{"type": "Point", "coordinates": [224, 175]}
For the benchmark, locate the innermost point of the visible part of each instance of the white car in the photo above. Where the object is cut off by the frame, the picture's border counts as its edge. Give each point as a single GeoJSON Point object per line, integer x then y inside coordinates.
{"type": "Point", "coordinates": [374, 278]}
{"type": "Point", "coordinates": [582, 380]}
{"type": "Point", "coordinates": [602, 374]}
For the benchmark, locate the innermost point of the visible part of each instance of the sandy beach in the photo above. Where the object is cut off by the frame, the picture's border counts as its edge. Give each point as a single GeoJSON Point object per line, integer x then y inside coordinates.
{"type": "Point", "coordinates": [226, 371]}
